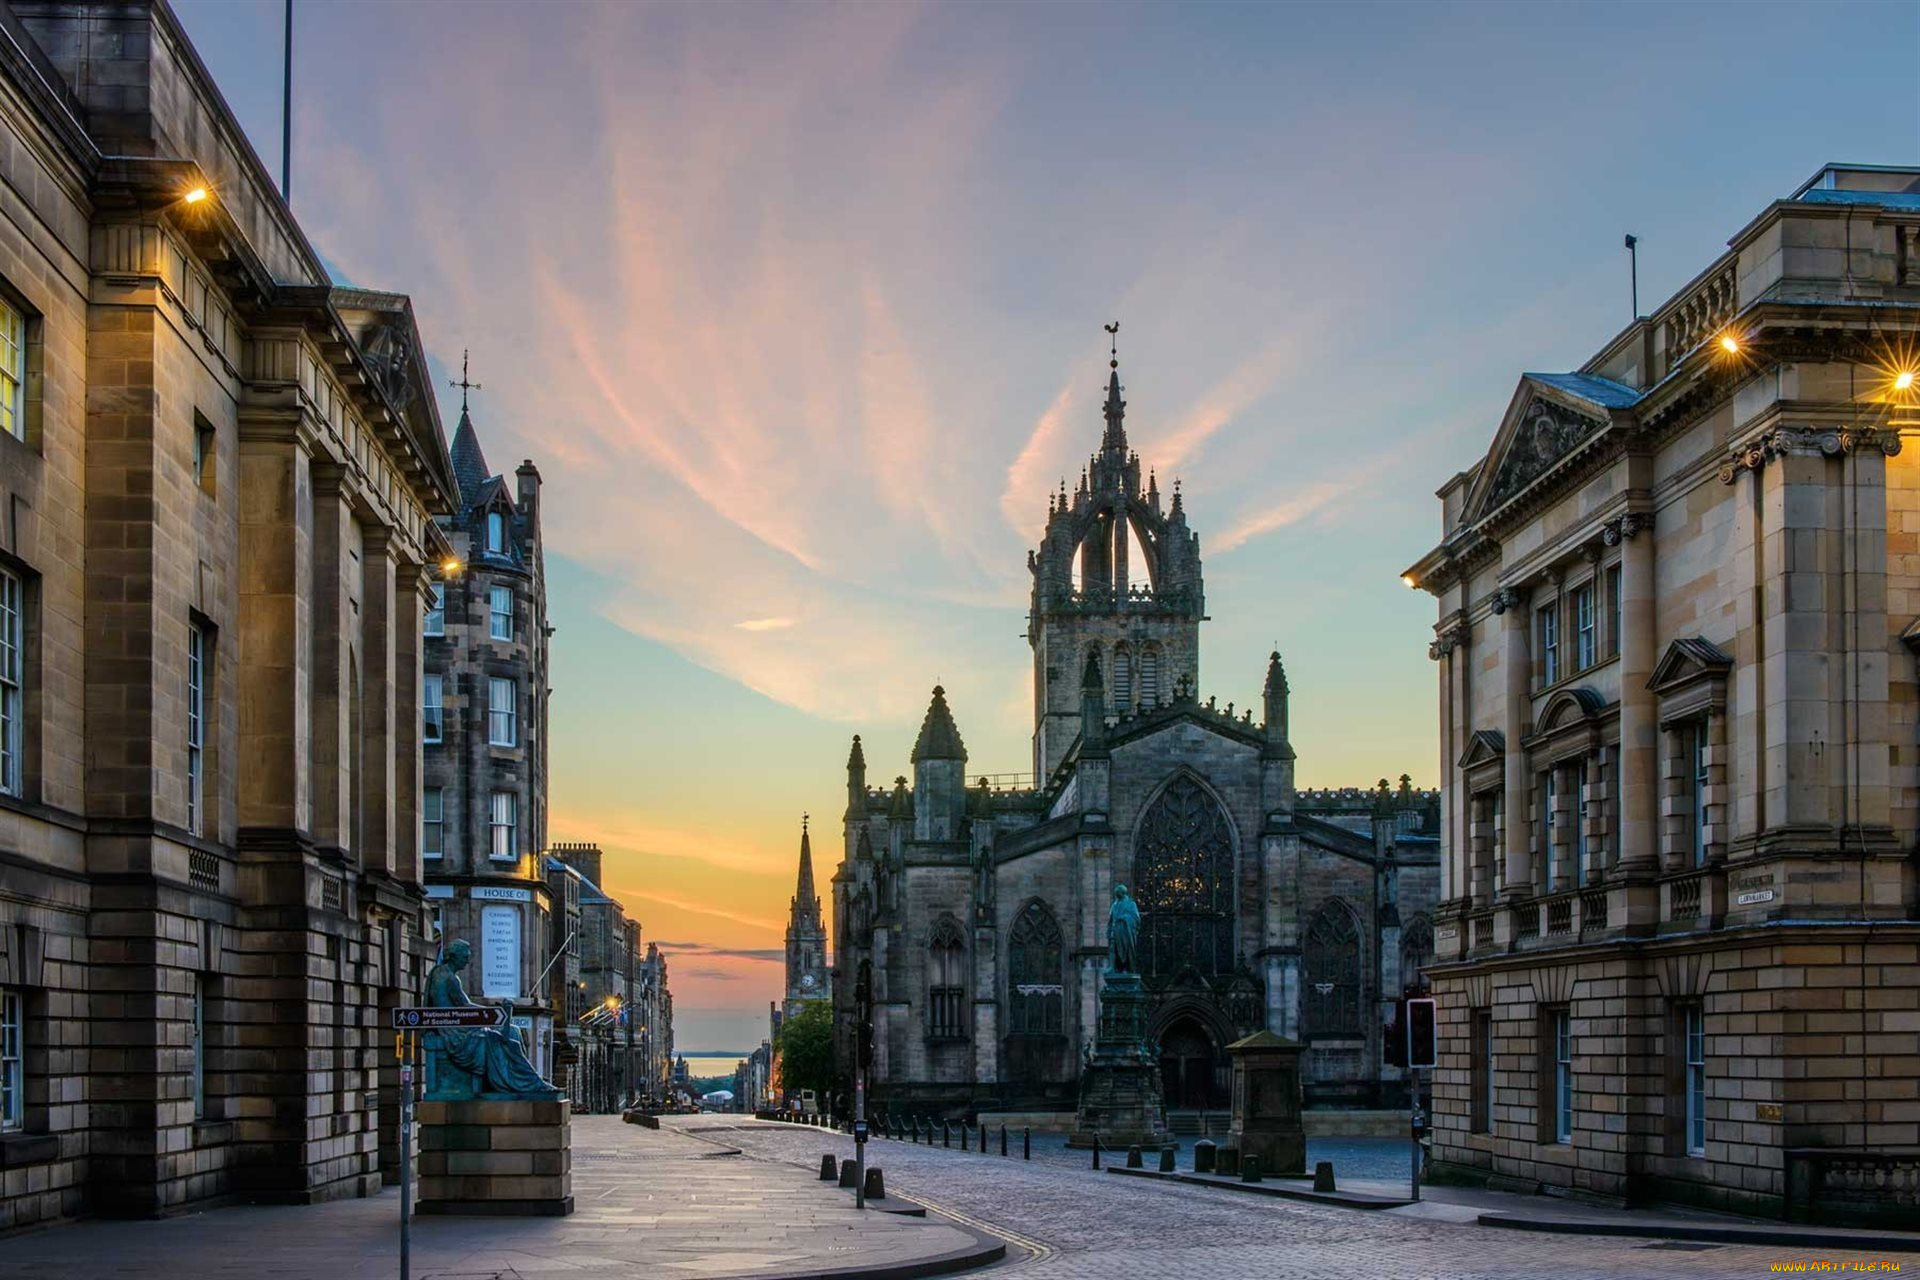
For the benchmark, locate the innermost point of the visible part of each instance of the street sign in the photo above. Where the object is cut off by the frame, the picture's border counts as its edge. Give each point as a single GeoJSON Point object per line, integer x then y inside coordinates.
{"type": "Point", "coordinates": [859, 1130]}
{"type": "Point", "coordinates": [431, 1018]}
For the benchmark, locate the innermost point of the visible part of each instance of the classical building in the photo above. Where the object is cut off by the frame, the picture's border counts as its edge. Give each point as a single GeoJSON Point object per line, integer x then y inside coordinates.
{"type": "Point", "coordinates": [808, 977]}
{"type": "Point", "coordinates": [483, 799]}
{"type": "Point", "coordinates": [1679, 600]}
{"type": "Point", "coordinates": [983, 910]}
{"type": "Point", "coordinates": [219, 475]}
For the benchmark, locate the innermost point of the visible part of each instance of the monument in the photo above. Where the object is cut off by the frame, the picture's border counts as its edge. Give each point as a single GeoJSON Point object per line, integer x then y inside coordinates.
{"type": "Point", "coordinates": [1267, 1123]}
{"type": "Point", "coordinates": [494, 1137]}
{"type": "Point", "coordinates": [1121, 1101]}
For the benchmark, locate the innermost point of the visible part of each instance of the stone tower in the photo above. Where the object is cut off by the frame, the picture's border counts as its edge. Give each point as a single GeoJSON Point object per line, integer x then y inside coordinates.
{"type": "Point", "coordinates": [806, 935]}
{"type": "Point", "coordinates": [1142, 621]}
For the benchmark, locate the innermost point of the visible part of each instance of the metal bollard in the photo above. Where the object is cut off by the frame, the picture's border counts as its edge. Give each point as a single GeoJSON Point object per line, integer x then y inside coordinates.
{"type": "Point", "coordinates": [1249, 1168]}
{"type": "Point", "coordinates": [829, 1169]}
{"type": "Point", "coordinates": [1323, 1176]}
{"type": "Point", "coordinates": [1166, 1158]}
{"type": "Point", "coordinates": [876, 1184]}
{"type": "Point", "coordinates": [1096, 1151]}
{"type": "Point", "coordinates": [983, 1137]}
{"type": "Point", "coordinates": [1003, 1139]}
{"type": "Point", "coordinates": [849, 1174]}
{"type": "Point", "coordinates": [916, 1133]}
{"type": "Point", "coordinates": [1026, 1144]}
{"type": "Point", "coordinates": [1134, 1159]}
{"type": "Point", "coordinates": [1203, 1156]}
{"type": "Point", "coordinates": [946, 1135]}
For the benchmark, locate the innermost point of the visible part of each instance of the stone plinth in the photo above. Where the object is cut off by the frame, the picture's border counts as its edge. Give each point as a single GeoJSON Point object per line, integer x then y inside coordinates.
{"type": "Point", "coordinates": [1122, 1103]}
{"type": "Point", "coordinates": [495, 1158]}
{"type": "Point", "coordinates": [1267, 1104]}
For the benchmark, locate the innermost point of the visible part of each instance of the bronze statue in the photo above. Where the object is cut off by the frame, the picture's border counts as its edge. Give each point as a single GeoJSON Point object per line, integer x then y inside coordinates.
{"type": "Point", "coordinates": [480, 1063]}
{"type": "Point", "coordinates": [1123, 932]}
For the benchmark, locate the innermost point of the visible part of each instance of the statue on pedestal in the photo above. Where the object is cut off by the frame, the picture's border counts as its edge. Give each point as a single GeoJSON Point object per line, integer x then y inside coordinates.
{"type": "Point", "coordinates": [479, 1063]}
{"type": "Point", "coordinates": [1123, 932]}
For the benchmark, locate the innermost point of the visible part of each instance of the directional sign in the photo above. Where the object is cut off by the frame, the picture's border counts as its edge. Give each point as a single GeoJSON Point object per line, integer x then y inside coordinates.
{"type": "Point", "coordinates": [430, 1018]}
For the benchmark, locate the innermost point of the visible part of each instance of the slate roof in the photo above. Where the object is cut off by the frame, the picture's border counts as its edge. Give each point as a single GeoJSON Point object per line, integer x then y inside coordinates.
{"type": "Point", "coordinates": [469, 463]}
{"type": "Point", "coordinates": [1604, 392]}
{"type": "Point", "coordinates": [939, 738]}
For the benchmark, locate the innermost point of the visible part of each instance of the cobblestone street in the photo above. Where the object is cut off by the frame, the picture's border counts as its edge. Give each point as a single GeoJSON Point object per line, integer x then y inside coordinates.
{"type": "Point", "coordinates": [1077, 1223]}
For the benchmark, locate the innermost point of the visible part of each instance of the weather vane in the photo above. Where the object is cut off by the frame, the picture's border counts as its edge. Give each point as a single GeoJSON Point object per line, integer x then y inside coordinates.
{"type": "Point", "coordinates": [464, 384]}
{"type": "Point", "coordinates": [1113, 344]}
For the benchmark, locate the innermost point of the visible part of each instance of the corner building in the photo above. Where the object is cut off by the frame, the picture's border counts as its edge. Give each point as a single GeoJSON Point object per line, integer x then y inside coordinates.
{"type": "Point", "coordinates": [1679, 607]}
{"type": "Point", "coordinates": [982, 909]}
{"type": "Point", "coordinates": [218, 478]}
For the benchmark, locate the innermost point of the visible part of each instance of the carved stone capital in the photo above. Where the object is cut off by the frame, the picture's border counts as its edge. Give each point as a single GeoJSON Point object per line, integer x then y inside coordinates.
{"type": "Point", "coordinates": [1806, 442]}
{"type": "Point", "coordinates": [1625, 528]}
{"type": "Point", "coordinates": [1504, 599]}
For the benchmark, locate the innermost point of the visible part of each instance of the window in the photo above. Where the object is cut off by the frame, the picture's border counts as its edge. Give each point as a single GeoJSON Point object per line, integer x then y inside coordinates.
{"type": "Point", "coordinates": [197, 647]}
{"type": "Point", "coordinates": [1183, 880]}
{"type": "Point", "coordinates": [1694, 1038]}
{"type": "Point", "coordinates": [1149, 678]}
{"type": "Point", "coordinates": [1331, 960]}
{"type": "Point", "coordinates": [1034, 991]}
{"type": "Point", "coordinates": [13, 1083]}
{"type": "Point", "coordinates": [432, 822]}
{"type": "Point", "coordinates": [946, 982]}
{"type": "Point", "coordinates": [1480, 1068]}
{"type": "Point", "coordinates": [1586, 638]}
{"type": "Point", "coordinates": [502, 730]}
{"type": "Point", "coordinates": [503, 820]}
{"type": "Point", "coordinates": [430, 716]}
{"type": "Point", "coordinates": [199, 1047]}
{"type": "Point", "coordinates": [1498, 822]}
{"type": "Point", "coordinates": [1697, 782]}
{"type": "Point", "coordinates": [1550, 854]}
{"type": "Point", "coordinates": [1550, 643]}
{"type": "Point", "coordinates": [1561, 1037]}
{"type": "Point", "coordinates": [12, 704]}
{"type": "Point", "coordinates": [1122, 681]}
{"type": "Point", "coordinates": [1579, 772]}
{"type": "Point", "coordinates": [436, 624]}
{"type": "Point", "coordinates": [496, 533]}
{"type": "Point", "coordinates": [13, 371]}
{"type": "Point", "coordinates": [500, 612]}
{"type": "Point", "coordinates": [202, 452]}
{"type": "Point", "coordinates": [1614, 612]}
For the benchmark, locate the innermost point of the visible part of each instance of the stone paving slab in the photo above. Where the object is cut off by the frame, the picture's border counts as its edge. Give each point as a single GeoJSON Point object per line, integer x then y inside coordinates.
{"type": "Point", "coordinates": [658, 1203]}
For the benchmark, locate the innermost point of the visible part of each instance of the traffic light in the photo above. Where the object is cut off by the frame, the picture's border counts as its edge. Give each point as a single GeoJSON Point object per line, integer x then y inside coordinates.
{"type": "Point", "coordinates": [1422, 1033]}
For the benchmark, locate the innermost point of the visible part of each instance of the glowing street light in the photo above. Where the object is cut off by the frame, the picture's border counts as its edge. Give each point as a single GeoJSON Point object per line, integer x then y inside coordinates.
{"type": "Point", "coordinates": [451, 566]}
{"type": "Point", "coordinates": [1730, 344]}
{"type": "Point", "coordinates": [195, 196]}
{"type": "Point", "coordinates": [1903, 381]}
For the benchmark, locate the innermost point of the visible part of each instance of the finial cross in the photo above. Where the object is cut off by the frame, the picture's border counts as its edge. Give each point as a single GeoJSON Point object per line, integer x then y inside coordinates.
{"type": "Point", "coordinates": [465, 384]}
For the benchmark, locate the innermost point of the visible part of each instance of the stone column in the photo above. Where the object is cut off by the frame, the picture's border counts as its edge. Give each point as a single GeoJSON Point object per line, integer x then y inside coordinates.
{"type": "Point", "coordinates": [1801, 682]}
{"type": "Point", "coordinates": [410, 588]}
{"type": "Point", "coordinates": [276, 628]}
{"type": "Point", "coordinates": [378, 571]}
{"type": "Point", "coordinates": [1639, 724]}
{"type": "Point", "coordinates": [1517, 661]}
{"type": "Point", "coordinates": [332, 746]}
{"type": "Point", "coordinates": [1453, 878]}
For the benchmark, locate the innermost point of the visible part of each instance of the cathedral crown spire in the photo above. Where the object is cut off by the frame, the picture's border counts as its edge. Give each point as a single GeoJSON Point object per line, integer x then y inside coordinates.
{"type": "Point", "coordinates": [1115, 439]}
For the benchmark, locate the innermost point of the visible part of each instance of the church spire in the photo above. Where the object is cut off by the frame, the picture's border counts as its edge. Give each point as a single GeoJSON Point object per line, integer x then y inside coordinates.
{"type": "Point", "coordinates": [806, 933]}
{"type": "Point", "coordinates": [805, 900]}
{"type": "Point", "coordinates": [1116, 409]}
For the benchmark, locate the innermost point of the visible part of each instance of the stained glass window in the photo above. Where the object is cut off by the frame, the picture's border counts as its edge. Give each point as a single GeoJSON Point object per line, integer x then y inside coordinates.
{"type": "Point", "coordinates": [1183, 881]}
{"type": "Point", "coordinates": [1331, 960]}
{"type": "Point", "coordinates": [1033, 968]}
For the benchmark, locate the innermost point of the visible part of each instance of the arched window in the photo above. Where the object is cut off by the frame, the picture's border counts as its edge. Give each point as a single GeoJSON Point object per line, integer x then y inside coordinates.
{"type": "Point", "coordinates": [1416, 950]}
{"type": "Point", "coordinates": [1122, 680]}
{"type": "Point", "coordinates": [1183, 881]}
{"type": "Point", "coordinates": [496, 533]}
{"type": "Point", "coordinates": [946, 981]}
{"type": "Point", "coordinates": [1034, 990]}
{"type": "Point", "coordinates": [1149, 680]}
{"type": "Point", "coordinates": [1330, 1001]}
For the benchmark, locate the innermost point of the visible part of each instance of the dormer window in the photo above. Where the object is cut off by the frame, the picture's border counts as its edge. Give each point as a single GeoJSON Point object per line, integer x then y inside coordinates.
{"type": "Point", "coordinates": [496, 533]}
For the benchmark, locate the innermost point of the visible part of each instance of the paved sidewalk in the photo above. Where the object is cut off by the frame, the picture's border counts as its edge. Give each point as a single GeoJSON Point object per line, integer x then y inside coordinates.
{"type": "Point", "coordinates": [658, 1203]}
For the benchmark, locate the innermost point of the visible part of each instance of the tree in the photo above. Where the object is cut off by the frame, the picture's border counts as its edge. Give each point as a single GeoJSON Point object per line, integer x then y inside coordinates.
{"type": "Point", "coordinates": [806, 1050]}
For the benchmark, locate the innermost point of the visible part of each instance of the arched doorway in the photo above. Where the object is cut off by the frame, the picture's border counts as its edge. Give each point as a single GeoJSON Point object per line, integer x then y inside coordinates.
{"type": "Point", "coordinates": [1192, 1067]}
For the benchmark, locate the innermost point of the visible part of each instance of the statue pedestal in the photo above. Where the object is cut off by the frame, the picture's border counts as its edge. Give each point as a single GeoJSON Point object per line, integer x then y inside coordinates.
{"type": "Point", "coordinates": [1266, 1103]}
{"type": "Point", "coordinates": [1122, 1103]}
{"type": "Point", "coordinates": [495, 1158]}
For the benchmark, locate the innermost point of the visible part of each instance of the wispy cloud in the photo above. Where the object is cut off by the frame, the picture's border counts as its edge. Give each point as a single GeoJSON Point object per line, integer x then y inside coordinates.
{"type": "Point", "coordinates": [764, 624]}
{"type": "Point", "coordinates": [1314, 499]}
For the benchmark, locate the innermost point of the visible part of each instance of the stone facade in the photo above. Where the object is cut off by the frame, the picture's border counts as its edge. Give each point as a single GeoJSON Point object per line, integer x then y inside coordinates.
{"type": "Point", "coordinates": [983, 909]}
{"type": "Point", "coordinates": [607, 1002]}
{"type": "Point", "coordinates": [218, 479]}
{"type": "Point", "coordinates": [484, 801]}
{"type": "Point", "coordinates": [1678, 706]}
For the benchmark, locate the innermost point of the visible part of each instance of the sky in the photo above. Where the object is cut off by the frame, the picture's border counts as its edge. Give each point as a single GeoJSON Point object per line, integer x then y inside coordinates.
{"type": "Point", "coordinates": [799, 310]}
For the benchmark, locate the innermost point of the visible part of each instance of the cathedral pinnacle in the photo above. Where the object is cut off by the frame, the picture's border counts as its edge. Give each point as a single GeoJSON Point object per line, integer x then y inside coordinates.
{"type": "Point", "coordinates": [1116, 408]}
{"type": "Point", "coordinates": [939, 737]}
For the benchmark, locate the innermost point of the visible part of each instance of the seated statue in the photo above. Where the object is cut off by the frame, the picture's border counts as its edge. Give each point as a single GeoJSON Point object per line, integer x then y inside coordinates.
{"type": "Point", "coordinates": [477, 1063]}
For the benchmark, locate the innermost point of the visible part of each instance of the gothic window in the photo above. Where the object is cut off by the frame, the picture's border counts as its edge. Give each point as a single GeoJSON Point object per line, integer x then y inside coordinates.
{"type": "Point", "coordinates": [1033, 966]}
{"type": "Point", "coordinates": [1183, 881]}
{"type": "Point", "coordinates": [1332, 967]}
{"type": "Point", "coordinates": [1416, 950]}
{"type": "Point", "coordinates": [1122, 680]}
{"type": "Point", "coordinates": [946, 981]}
{"type": "Point", "coordinates": [1149, 677]}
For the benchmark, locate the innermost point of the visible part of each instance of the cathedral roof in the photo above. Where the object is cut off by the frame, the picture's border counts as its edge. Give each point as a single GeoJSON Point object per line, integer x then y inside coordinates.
{"type": "Point", "coordinates": [469, 463]}
{"type": "Point", "coordinates": [939, 738]}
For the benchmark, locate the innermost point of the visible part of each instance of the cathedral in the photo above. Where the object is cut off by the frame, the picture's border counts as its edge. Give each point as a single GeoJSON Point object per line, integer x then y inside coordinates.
{"type": "Point", "coordinates": [982, 910]}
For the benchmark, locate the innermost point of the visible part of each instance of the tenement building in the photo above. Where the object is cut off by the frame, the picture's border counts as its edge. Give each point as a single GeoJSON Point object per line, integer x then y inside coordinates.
{"type": "Point", "coordinates": [483, 802]}
{"type": "Point", "coordinates": [603, 1006]}
{"type": "Point", "coordinates": [982, 910]}
{"type": "Point", "coordinates": [219, 475]}
{"type": "Point", "coordinates": [1679, 616]}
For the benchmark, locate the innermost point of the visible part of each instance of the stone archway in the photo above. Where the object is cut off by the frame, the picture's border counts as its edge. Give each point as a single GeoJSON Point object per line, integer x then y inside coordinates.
{"type": "Point", "coordinates": [1193, 1065]}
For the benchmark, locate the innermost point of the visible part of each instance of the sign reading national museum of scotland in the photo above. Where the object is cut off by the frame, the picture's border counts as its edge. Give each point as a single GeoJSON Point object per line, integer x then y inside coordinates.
{"type": "Point", "coordinates": [431, 1018]}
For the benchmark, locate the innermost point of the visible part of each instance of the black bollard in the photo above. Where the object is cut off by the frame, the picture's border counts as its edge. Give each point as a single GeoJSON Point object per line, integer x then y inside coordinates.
{"type": "Point", "coordinates": [1026, 1144]}
{"type": "Point", "coordinates": [1249, 1168]}
{"type": "Point", "coordinates": [849, 1174]}
{"type": "Point", "coordinates": [1166, 1158]}
{"type": "Point", "coordinates": [1003, 1139]}
{"type": "Point", "coordinates": [1323, 1176]}
{"type": "Point", "coordinates": [1203, 1156]}
{"type": "Point", "coordinates": [1226, 1162]}
{"type": "Point", "coordinates": [1096, 1151]}
{"type": "Point", "coordinates": [983, 1137]}
{"type": "Point", "coordinates": [946, 1135]}
{"type": "Point", "coordinates": [916, 1133]}
{"type": "Point", "coordinates": [828, 1169]}
{"type": "Point", "coordinates": [876, 1185]}
{"type": "Point", "coordinates": [1134, 1159]}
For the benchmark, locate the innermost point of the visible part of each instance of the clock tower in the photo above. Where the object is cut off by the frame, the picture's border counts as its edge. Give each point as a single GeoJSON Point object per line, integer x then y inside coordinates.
{"type": "Point", "coordinates": [806, 936]}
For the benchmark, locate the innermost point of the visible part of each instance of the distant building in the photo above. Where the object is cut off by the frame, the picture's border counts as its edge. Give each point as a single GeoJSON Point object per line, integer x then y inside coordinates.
{"type": "Point", "coordinates": [219, 474]}
{"type": "Point", "coordinates": [653, 1025]}
{"type": "Point", "coordinates": [983, 909]}
{"type": "Point", "coordinates": [1679, 607]}
{"type": "Point", "coordinates": [483, 801]}
{"type": "Point", "coordinates": [605, 1007]}
{"type": "Point", "coordinates": [809, 980]}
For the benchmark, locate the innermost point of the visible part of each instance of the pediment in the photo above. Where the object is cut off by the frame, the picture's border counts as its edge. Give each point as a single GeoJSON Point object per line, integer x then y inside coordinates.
{"type": "Point", "coordinates": [1484, 747]}
{"type": "Point", "coordinates": [1687, 661]}
{"type": "Point", "coordinates": [1569, 707]}
{"type": "Point", "coordinates": [1541, 429]}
